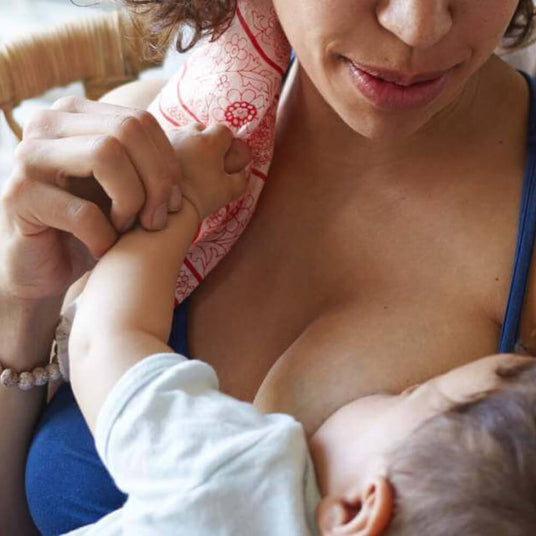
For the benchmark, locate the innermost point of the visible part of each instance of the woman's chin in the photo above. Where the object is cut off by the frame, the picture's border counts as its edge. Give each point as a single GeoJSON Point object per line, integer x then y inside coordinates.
{"type": "Point", "coordinates": [384, 129]}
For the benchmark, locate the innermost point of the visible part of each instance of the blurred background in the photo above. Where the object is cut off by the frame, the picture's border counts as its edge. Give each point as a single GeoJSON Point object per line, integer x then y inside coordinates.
{"type": "Point", "coordinates": [19, 17]}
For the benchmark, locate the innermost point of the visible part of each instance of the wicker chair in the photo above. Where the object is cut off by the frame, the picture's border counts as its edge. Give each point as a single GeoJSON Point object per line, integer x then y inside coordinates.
{"type": "Point", "coordinates": [103, 52]}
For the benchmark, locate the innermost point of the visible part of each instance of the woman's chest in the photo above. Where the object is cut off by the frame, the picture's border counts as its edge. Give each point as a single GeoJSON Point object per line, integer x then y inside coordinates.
{"type": "Point", "coordinates": [328, 297]}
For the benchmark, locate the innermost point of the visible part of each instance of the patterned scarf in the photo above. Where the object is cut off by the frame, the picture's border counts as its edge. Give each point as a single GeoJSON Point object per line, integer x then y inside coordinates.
{"type": "Point", "coordinates": [237, 81]}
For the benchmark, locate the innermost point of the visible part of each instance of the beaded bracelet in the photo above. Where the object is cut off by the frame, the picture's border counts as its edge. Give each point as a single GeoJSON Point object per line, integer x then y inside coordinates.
{"type": "Point", "coordinates": [38, 377]}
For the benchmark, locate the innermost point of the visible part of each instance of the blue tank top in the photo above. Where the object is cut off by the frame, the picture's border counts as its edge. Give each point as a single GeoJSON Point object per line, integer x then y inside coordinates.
{"type": "Point", "coordinates": [67, 485]}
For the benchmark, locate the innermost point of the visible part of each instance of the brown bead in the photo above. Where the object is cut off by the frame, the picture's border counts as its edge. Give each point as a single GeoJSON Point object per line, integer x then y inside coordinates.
{"type": "Point", "coordinates": [53, 371]}
{"type": "Point", "coordinates": [40, 376]}
{"type": "Point", "coordinates": [9, 378]}
{"type": "Point", "coordinates": [26, 381]}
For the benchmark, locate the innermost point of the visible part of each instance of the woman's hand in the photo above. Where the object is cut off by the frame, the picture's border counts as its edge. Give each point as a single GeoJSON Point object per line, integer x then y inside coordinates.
{"type": "Point", "coordinates": [118, 159]}
{"type": "Point", "coordinates": [213, 165]}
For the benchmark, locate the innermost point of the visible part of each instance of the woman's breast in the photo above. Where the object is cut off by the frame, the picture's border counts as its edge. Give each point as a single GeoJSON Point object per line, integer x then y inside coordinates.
{"type": "Point", "coordinates": [305, 325]}
{"type": "Point", "coordinates": [312, 363]}
{"type": "Point", "coordinates": [307, 314]}
{"type": "Point", "coordinates": [355, 351]}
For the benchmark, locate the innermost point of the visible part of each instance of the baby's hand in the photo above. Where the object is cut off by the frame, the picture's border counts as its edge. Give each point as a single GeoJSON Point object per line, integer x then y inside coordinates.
{"type": "Point", "coordinates": [213, 165]}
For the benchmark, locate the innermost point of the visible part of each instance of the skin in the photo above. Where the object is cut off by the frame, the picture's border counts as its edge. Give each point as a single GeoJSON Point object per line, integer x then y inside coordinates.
{"type": "Point", "coordinates": [411, 37]}
{"type": "Point", "coordinates": [375, 224]}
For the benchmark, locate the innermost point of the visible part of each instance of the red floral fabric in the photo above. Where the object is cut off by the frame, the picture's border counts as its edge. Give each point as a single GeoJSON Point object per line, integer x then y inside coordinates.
{"type": "Point", "coordinates": [237, 81]}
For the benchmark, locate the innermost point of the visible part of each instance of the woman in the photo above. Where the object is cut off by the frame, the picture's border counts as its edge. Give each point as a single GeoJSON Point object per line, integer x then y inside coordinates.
{"type": "Point", "coordinates": [383, 241]}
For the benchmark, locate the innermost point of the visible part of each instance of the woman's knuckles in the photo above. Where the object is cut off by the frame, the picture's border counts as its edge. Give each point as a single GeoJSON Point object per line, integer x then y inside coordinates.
{"type": "Point", "coordinates": [86, 221]}
{"type": "Point", "coordinates": [220, 135]}
{"type": "Point", "coordinates": [69, 103]}
{"type": "Point", "coordinates": [25, 154]}
{"type": "Point", "coordinates": [16, 190]}
{"type": "Point", "coordinates": [129, 204]}
{"type": "Point", "coordinates": [127, 127]}
{"type": "Point", "coordinates": [146, 119]}
{"type": "Point", "coordinates": [106, 150]}
{"type": "Point", "coordinates": [40, 125]}
{"type": "Point", "coordinates": [132, 125]}
{"type": "Point", "coordinates": [82, 213]}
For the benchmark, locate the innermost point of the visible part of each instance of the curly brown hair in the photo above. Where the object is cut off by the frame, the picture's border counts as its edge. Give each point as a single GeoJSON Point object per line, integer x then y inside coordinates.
{"type": "Point", "coordinates": [210, 18]}
{"type": "Point", "coordinates": [521, 26]}
{"type": "Point", "coordinates": [187, 20]}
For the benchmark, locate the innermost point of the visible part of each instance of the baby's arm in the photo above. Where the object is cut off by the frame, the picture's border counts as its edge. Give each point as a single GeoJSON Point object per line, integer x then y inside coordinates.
{"type": "Point", "coordinates": [125, 311]}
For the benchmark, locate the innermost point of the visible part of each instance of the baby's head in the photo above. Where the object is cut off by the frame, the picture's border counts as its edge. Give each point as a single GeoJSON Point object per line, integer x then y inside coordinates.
{"type": "Point", "coordinates": [455, 455]}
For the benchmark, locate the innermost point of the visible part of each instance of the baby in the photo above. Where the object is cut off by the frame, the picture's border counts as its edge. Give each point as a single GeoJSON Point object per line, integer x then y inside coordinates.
{"type": "Point", "coordinates": [455, 455]}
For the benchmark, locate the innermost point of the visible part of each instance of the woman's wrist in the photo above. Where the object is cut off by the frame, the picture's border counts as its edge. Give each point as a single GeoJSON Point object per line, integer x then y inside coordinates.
{"type": "Point", "coordinates": [27, 331]}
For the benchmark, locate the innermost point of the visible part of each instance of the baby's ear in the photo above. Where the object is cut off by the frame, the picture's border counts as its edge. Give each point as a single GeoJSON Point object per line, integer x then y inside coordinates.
{"type": "Point", "coordinates": [367, 514]}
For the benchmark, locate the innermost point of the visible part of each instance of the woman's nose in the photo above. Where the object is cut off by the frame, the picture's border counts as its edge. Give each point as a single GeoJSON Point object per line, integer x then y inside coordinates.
{"type": "Point", "coordinates": [418, 23]}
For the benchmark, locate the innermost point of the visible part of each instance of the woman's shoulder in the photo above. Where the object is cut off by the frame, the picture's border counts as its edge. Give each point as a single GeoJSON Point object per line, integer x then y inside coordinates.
{"type": "Point", "coordinates": [137, 94]}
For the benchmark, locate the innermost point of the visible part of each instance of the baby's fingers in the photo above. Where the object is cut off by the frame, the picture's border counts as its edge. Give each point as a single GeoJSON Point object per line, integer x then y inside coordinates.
{"type": "Point", "coordinates": [237, 183]}
{"type": "Point", "coordinates": [235, 162]}
{"type": "Point", "coordinates": [237, 157]}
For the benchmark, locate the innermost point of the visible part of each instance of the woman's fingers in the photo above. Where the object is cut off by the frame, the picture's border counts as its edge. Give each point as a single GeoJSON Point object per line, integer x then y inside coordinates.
{"type": "Point", "coordinates": [146, 144]}
{"type": "Point", "coordinates": [37, 207]}
{"type": "Point", "coordinates": [85, 156]}
{"type": "Point", "coordinates": [159, 137]}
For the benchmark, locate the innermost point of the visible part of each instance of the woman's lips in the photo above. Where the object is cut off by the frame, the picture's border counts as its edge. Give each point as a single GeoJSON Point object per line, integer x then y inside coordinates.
{"type": "Point", "coordinates": [393, 91]}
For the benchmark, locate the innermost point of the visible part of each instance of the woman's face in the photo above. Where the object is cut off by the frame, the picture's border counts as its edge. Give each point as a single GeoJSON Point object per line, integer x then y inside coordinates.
{"type": "Point", "coordinates": [389, 66]}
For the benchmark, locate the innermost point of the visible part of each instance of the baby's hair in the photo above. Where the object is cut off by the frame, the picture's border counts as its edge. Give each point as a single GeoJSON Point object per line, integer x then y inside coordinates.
{"type": "Point", "coordinates": [471, 470]}
{"type": "Point", "coordinates": [210, 18]}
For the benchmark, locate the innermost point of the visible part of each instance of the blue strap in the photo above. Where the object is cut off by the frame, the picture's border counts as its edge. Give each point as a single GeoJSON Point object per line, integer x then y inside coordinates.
{"type": "Point", "coordinates": [525, 237]}
{"type": "Point", "coordinates": [178, 338]}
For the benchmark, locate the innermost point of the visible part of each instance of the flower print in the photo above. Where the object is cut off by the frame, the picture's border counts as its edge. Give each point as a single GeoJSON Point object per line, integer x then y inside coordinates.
{"type": "Point", "coordinates": [236, 48]}
{"type": "Point", "coordinates": [238, 108]}
{"type": "Point", "coordinates": [223, 83]}
{"type": "Point", "coordinates": [240, 113]}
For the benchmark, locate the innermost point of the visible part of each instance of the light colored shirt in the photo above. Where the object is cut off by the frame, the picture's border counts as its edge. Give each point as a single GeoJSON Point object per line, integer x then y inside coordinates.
{"type": "Point", "coordinates": [196, 462]}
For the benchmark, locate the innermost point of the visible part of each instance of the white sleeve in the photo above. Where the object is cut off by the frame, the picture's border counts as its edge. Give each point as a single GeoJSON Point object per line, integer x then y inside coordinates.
{"type": "Point", "coordinates": [167, 412]}
{"type": "Point", "coordinates": [186, 454]}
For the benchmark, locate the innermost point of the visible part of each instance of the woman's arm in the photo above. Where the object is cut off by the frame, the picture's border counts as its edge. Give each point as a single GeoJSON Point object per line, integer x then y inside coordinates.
{"type": "Point", "coordinates": [138, 94]}
{"type": "Point", "coordinates": [26, 331]}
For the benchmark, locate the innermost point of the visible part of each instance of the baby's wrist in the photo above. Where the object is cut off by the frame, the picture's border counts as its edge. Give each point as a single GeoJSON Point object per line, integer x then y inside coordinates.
{"type": "Point", "coordinates": [190, 205]}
